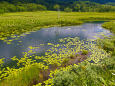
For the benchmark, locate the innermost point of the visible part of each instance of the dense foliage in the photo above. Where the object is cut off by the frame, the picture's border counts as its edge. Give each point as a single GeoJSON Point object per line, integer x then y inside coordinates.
{"type": "Point", "coordinates": [56, 1]}
{"type": "Point", "coordinates": [87, 6]}
{"type": "Point", "coordinates": [87, 74]}
{"type": "Point", "coordinates": [7, 7]}
{"type": "Point", "coordinates": [37, 5]}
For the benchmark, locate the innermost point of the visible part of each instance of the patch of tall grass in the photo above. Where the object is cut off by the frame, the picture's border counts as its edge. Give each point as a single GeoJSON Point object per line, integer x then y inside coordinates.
{"type": "Point", "coordinates": [25, 77]}
{"type": "Point", "coordinates": [110, 25]}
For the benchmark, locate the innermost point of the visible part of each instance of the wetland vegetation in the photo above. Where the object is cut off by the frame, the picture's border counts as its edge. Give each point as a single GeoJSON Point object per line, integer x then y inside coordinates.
{"type": "Point", "coordinates": [68, 59]}
{"type": "Point", "coordinates": [85, 62]}
{"type": "Point", "coordinates": [14, 24]}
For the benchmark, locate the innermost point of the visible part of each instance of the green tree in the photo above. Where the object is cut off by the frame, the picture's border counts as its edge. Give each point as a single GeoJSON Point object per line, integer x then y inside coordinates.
{"type": "Point", "coordinates": [1, 11]}
{"type": "Point", "coordinates": [57, 7]}
{"type": "Point", "coordinates": [41, 7]}
{"type": "Point", "coordinates": [77, 7]}
{"type": "Point", "coordinates": [21, 8]}
{"type": "Point", "coordinates": [31, 7]}
{"type": "Point", "coordinates": [68, 9]}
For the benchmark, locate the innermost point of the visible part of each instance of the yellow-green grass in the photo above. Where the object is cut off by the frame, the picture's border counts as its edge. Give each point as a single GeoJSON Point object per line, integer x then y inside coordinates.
{"type": "Point", "coordinates": [110, 25]}
{"type": "Point", "coordinates": [21, 22]}
{"type": "Point", "coordinates": [23, 77]}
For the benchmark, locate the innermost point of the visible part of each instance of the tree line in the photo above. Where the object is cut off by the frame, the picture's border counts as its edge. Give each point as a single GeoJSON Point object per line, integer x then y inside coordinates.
{"type": "Point", "coordinates": [77, 6]}
{"type": "Point", "coordinates": [8, 7]}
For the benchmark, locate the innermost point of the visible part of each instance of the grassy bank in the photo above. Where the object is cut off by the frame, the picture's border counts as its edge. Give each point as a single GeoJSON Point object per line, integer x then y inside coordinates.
{"type": "Point", "coordinates": [17, 23]}
{"type": "Point", "coordinates": [110, 26]}
{"type": "Point", "coordinates": [22, 77]}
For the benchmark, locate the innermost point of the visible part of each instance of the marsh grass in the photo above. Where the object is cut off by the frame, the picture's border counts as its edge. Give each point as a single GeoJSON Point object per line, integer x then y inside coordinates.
{"type": "Point", "coordinates": [22, 78]}
{"type": "Point", "coordinates": [110, 25]}
{"type": "Point", "coordinates": [31, 71]}
{"type": "Point", "coordinates": [12, 24]}
{"type": "Point", "coordinates": [85, 52]}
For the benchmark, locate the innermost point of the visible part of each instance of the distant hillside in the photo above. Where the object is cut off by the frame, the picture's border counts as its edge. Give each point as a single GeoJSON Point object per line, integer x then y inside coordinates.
{"type": "Point", "coordinates": [64, 5]}
{"type": "Point", "coordinates": [57, 1]}
{"type": "Point", "coordinates": [100, 1]}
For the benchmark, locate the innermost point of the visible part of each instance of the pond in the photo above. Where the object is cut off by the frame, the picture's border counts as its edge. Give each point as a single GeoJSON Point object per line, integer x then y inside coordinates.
{"type": "Point", "coordinates": [51, 35]}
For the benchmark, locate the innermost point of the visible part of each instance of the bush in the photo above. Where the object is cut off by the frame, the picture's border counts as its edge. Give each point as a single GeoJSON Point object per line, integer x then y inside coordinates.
{"type": "Point", "coordinates": [41, 7]}
{"type": "Point", "coordinates": [20, 8]}
{"type": "Point", "coordinates": [31, 7]}
{"type": "Point", "coordinates": [11, 8]}
{"type": "Point", "coordinates": [7, 7]}
{"type": "Point", "coordinates": [68, 9]}
{"type": "Point", "coordinates": [88, 74]}
{"type": "Point", "coordinates": [1, 11]}
{"type": "Point", "coordinates": [65, 79]}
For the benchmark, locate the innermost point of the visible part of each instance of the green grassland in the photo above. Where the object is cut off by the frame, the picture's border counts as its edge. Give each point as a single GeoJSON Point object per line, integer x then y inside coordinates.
{"type": "Point", "coordinates": [20, 22]}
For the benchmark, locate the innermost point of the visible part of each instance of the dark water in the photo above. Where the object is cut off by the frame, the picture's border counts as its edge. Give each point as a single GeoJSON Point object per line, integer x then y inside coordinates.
{"type": "Point", "coordinates": [44, 36]}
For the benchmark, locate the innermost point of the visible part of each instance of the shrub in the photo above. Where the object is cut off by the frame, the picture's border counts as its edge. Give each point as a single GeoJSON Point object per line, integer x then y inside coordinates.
{"type": "Point", "coordinates": [1, 11]}
{"type": "Point", "coordinates": [41, 7]}
{"type": "Point", "coordinates": [87, 74]}
{"type": "Point", "coordinates": [68, 9]}
{"type": "Point", "coordinates": [21, 8]}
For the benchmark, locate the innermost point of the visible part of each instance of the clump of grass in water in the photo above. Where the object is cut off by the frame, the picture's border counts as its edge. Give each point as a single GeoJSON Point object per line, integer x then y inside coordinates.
{"type": "Point", "coordinates": [84, 52]}
{"type": "Point", "coordinates": [72, 56]}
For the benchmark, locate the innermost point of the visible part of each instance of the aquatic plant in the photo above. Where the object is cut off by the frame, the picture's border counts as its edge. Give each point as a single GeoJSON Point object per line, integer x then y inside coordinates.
{"type": "Point", "coordinates": [84, 52]}
{"type": "Point", "coordinates": [55, 59]}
